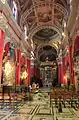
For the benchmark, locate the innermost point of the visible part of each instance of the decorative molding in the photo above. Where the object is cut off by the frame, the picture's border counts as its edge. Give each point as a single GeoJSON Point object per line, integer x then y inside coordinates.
{"type": "Point", "coordinates": [6, 40]}
{"type": "Point", "coordinates": [37, 28]}
{"type": "Point", "coordinates": [3, 22]}
{"type": "Point", "coordinates": [65, 51]}
{"type": "Point", "coordinates": [45, 44]}
{"type": "Point", "coordinates": [46, 64]}
{"type": "Point", "coordinates": [73, 18]}
{"type": "Point", "coordinates": [27, 13]}
{"type": "Point", "coordinates": [10, 20]}
{"type": "Point", "coordinates": [76, 64]}
{"type": "Point", "coordinates": [59, 59]}
{"type": "Point", "coordinates": [12, 31]}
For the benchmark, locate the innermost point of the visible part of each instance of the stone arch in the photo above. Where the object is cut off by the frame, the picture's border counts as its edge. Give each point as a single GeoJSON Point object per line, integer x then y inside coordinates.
{"type": "Point", "coordinates": [37, 28]}
{"type": "Point", "coordinates": [41, 47]}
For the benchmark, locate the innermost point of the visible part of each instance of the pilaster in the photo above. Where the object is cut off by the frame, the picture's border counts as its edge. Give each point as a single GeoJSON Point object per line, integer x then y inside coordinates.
{"type": "Point", "coordinates": [3, 22]}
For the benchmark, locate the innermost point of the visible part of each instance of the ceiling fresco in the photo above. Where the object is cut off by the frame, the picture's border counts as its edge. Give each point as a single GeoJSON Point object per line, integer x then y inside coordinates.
{"type": "Point", "coordinates": [39, 16]}
{"type": "Point", "coordinates": [47, 12]}
{"type": "Point", "coordinates": [45, 34]}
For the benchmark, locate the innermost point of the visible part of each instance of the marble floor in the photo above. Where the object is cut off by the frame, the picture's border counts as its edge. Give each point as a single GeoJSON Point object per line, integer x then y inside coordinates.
{"type": "Point", "coordinates": [38, 109]}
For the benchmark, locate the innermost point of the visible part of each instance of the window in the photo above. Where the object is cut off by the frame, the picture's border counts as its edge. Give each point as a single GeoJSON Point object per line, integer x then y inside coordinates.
{"type": "Point", "coordinates": [14, 10]}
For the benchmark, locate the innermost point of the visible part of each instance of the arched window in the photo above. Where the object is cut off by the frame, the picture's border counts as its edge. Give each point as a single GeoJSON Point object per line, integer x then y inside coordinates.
{"type": "Point", "coordinates": [14, 10]}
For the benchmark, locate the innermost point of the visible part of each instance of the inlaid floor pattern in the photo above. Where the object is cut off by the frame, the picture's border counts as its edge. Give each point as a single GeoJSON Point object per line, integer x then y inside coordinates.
{"type": "Point", "coordinates": [38, 109]}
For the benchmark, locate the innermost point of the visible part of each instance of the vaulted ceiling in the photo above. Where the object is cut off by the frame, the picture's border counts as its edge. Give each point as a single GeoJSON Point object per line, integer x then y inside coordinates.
{"type": "Point", "coordinates": [44, 21]}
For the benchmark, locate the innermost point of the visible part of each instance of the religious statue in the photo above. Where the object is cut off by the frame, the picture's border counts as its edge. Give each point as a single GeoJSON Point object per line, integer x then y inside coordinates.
{"type": "Point", "coordinates": [23, 74]}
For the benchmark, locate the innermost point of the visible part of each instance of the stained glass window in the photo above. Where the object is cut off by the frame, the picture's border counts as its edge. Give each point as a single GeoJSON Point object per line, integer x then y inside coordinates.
{"type": "Point", "coordinates": [14, 10]}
